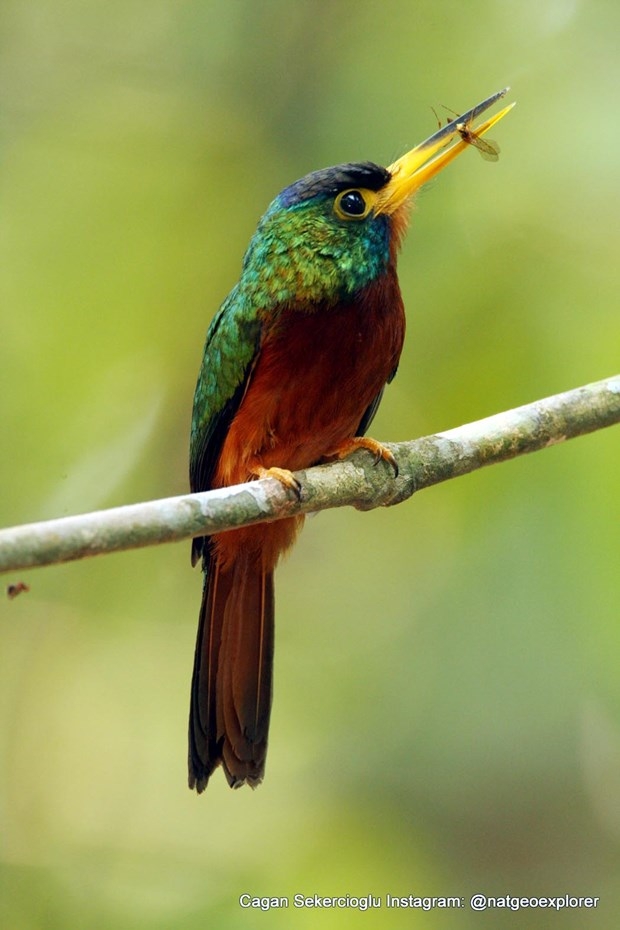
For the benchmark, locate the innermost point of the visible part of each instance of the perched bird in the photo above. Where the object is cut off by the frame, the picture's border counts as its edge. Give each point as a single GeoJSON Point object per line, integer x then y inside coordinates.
{"type": "Point", "coordinates": [294, 368]}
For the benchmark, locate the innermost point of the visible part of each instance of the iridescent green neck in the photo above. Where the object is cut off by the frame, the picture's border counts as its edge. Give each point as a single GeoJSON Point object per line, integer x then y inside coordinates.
{"type": "Point", "coordinates": [303, 254]}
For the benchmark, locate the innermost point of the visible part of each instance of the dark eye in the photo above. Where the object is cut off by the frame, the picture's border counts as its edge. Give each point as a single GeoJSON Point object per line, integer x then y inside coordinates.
{"type": "Point", "coordinates": [352, 204]}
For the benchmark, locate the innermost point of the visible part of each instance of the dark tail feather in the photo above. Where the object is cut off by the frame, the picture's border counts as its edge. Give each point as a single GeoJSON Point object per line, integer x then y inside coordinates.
{"type": "Point", "coordinates": [232, 680]}
{"type": "Point", "coordinates": [204, 748]}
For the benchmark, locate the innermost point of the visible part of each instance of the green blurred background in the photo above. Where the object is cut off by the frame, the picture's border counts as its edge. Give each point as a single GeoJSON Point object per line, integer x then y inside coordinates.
{"type": "Point", "coordinates": [447, 701]}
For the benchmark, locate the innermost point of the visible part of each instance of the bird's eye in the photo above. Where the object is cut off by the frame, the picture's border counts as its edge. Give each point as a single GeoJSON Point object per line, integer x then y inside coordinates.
{"type": "Point", "coordinates": [352, 205]}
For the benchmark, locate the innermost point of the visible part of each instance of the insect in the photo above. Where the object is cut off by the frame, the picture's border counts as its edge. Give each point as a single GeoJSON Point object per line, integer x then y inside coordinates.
{"type": "Point", "coordinates": [488, 149]}
{"type": "Point", "coordinates": [14, 590]}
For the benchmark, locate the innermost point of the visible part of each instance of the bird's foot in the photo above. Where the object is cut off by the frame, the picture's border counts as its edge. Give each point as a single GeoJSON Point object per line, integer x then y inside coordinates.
{"type": "Point", "coordinates": [379, 451]}
{"type": "Point", "coordinates": [283, 475]}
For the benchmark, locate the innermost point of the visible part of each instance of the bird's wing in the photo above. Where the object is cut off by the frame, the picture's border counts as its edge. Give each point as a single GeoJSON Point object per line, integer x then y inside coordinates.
{"type": "Point", "coordinates": [231, 349]}
{"type": "Point", "coordinates": [369, 413]}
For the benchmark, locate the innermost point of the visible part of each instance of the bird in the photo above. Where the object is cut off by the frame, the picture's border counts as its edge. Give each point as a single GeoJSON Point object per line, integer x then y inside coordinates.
{"type": "Point", "coordinates": [295, 365]}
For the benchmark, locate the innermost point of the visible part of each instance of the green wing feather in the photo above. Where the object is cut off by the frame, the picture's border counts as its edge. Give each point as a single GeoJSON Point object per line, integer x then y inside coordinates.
{"type": "Point", "coordinates": [230, 352]}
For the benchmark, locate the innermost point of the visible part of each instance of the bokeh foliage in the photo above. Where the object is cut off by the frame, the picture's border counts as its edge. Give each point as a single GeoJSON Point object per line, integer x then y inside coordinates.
{"type": "Point", "coordinates": [447, 708]}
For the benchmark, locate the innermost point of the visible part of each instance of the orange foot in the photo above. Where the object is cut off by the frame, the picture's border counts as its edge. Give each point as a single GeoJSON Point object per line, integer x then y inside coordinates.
{"type": "Point", "coordinates": [365, 442]}
{"type": "Point", "coordinates": [283, 475]}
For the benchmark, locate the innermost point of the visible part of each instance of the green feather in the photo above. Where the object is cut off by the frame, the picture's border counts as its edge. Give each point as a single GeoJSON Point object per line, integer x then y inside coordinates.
{"type": "Point", "coordinates": [304, 254]}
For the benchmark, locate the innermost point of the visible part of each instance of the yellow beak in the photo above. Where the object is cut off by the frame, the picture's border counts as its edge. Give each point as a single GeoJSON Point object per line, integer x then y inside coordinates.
{"type": "Point", "coordinates": [427, 159]}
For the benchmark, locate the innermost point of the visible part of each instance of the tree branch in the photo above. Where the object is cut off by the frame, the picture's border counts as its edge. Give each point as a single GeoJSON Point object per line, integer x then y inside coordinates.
{"type": "Point", "coordinates": [357, 482]}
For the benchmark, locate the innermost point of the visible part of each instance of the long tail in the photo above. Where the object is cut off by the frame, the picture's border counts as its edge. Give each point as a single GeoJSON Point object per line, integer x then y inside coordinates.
{"type": "Point", "coordinates": [232, 679]}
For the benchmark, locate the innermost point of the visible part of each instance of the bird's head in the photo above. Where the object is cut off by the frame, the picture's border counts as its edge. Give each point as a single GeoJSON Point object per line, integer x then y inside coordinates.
{"type": "Point", "coordinates": [331, 233]}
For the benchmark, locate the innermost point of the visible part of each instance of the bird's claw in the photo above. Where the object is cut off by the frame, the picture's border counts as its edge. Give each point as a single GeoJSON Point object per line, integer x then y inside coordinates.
{"type": "Point", "coordinates": [283, 475]}
{"type": "Point", "coordinates": [379, 451]}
